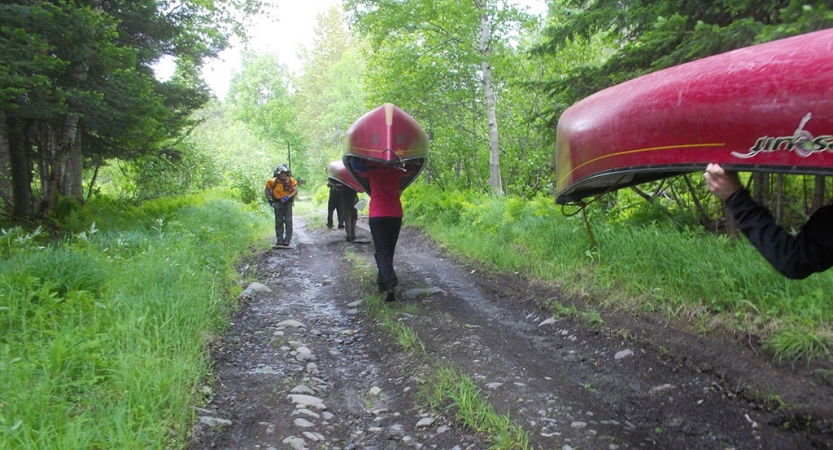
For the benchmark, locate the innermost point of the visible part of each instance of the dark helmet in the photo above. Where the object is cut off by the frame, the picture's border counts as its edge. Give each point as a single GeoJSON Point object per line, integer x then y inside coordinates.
{"type": "Point", "coordinates": [282, 168]}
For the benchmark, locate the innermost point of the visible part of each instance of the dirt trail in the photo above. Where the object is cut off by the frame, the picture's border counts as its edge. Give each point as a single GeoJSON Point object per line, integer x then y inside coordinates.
{"type": "Point", "coordinates": [303, 367]}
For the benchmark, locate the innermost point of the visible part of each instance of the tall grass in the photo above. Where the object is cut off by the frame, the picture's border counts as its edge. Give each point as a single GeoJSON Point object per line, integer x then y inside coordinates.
{"type": "Point", "coordinates": [103, 334]}
{"type": "Point", "coordinates": [634, 265]}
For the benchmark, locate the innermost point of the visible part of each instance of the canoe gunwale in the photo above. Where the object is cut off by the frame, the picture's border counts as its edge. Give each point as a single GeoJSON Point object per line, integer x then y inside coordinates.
{"type": "Point", "coordinates": [404, 182]}
{"type": "Point", "coordinates": [632, 176]}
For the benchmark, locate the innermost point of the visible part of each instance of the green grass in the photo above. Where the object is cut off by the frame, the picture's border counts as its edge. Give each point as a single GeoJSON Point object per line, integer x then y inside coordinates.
{"type": "Point", "coordinates": [103, 334]}
{"type": "Point", "coordinates": [636, 265]}
{"type": "Point", "coordinates": [450, 390]}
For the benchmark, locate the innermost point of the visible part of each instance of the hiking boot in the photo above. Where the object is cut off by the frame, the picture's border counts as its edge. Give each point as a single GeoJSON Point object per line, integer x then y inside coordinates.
{"type": "Point", "coordinates": [391, 296]}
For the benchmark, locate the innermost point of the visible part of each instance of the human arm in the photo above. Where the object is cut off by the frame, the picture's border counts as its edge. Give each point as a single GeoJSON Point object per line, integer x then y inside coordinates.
{"type": "Point", "coordinates": [795, 256]}
{"type": "Point", "coordinates": [269, 192]}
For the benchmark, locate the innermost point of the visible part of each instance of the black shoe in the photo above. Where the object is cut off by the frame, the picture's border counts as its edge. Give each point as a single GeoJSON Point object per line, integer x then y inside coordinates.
{"type": "Point", "coordinates": [390, 297]}
{"type": "Point", "coordinates": [382, 287]}
{"type": "Point", "coordinates": [341, 227]}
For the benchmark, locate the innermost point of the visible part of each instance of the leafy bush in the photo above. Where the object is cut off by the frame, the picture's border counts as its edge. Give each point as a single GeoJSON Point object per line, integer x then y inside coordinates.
{"type": "Point", "coordinates": [159, 175]}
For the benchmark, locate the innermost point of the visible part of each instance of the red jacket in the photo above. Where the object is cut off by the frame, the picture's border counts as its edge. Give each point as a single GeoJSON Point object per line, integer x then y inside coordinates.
{"type": "Point", "coordinates": [384, 191]}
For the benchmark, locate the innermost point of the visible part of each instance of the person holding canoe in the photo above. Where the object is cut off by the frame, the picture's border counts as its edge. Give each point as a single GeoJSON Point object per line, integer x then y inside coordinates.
{"type": "Point", "coordinates": [333, 203]}
{"type": "Point", "coordinates": [349, 213]}
{"type": "Point", "coordinates": [795, 256]}
{"type": "Point", "coordinates": [384, 216]}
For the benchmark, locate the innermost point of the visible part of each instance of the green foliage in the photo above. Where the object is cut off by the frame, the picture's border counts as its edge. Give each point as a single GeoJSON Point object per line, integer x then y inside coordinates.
{"type": "Point", "coordinates": [249, 185]}
{"type": "Point", "coordinates": [103, 335]}
{"type": "Point", "coordinates": [246, 158]}
{"type": "Point", "coordinates": [83, 67]}
{"type": "Point", "coordinates": [160, 175]}
{"type": "Point", "coordinates": [645, 36]}
{"type": "Point", "coordinates": [259, 97]}
{"type": "Point", "coordinates": [330, 93]}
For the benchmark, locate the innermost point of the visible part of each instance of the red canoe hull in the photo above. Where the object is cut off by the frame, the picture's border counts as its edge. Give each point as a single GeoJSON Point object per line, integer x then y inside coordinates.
{"type": "Point", "coordinates": [336, 172]}
{"type": "Point", "coordinates": [764, 108]}
{"type": "Point", "coordinates": [387, 135]}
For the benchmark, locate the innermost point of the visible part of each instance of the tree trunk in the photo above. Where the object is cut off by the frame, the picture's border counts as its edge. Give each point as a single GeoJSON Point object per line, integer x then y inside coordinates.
{"type": "Point", "coordinates": [19, 166]}
{"type": "Point", "coordinates": [491, 102]}
{"type": "Point", "coordinates": [779, 197]}
{"type": "Point", "coordinates": [5, 169]}
{"type": "Point", "coordinates": [702, 217]}
{"type": "Point", "coordinates": [62, 148]}
{"type": "Point", "coordinates": [818, 193]}
{"type": "Point", "coordinates": [92, 182]}
{"type": "Point", "coordinates": [760, 186]}
{"type": "Point", "coordinates": [74, 176]}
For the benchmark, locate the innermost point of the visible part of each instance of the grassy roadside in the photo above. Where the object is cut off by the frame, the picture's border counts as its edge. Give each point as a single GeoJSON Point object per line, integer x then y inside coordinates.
{"type": "Point", "coordinates": [637, 265]}
{"type": "Point", "coordinates": [103, 334]}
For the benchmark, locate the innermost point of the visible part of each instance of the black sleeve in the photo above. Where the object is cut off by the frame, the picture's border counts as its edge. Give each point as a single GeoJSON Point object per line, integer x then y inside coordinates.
{"type": "Point", "coordinates": [797, 257]}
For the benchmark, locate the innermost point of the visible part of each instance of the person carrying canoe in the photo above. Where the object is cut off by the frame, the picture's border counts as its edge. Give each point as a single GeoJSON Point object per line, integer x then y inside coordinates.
{"type": "Point", "coordinates": [333, 202]}
{"type": "Point", "coordinates": [385, 216]}
{"type": "Point", "coordinates": [349, 213]}
{"type": "Point", "coordinates": [795, 256]}
{"type": "Point", "coordinates": [280, 192]}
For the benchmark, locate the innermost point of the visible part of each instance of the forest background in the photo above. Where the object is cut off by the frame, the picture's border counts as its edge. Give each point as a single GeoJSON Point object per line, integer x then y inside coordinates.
{"type": "Point", "coordinates": [131, 177]}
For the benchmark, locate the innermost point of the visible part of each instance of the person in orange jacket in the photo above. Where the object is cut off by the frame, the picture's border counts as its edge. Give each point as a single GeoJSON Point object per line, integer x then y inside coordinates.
{"type": "Point", "coordinates": [280, 192]}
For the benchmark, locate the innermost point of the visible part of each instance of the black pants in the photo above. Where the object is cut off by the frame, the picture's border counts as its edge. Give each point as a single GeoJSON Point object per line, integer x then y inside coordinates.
{"type": "Point", "coordinates": [332, 205]}
{"type": "Point", "coordinates": [348, 211]}
{"type": "Point", "coordinates": [283, 221]}
{"type": "Point", "coordinates": [385, 232]}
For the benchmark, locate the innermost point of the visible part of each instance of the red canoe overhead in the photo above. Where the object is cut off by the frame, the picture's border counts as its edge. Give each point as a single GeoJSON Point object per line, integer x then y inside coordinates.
{"type": "Point", "coordinates": [338, 173]}
{"type": "Point", "coordinates": [764, 108]}
{"type": "Point", "coordinates": [387, 135]}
